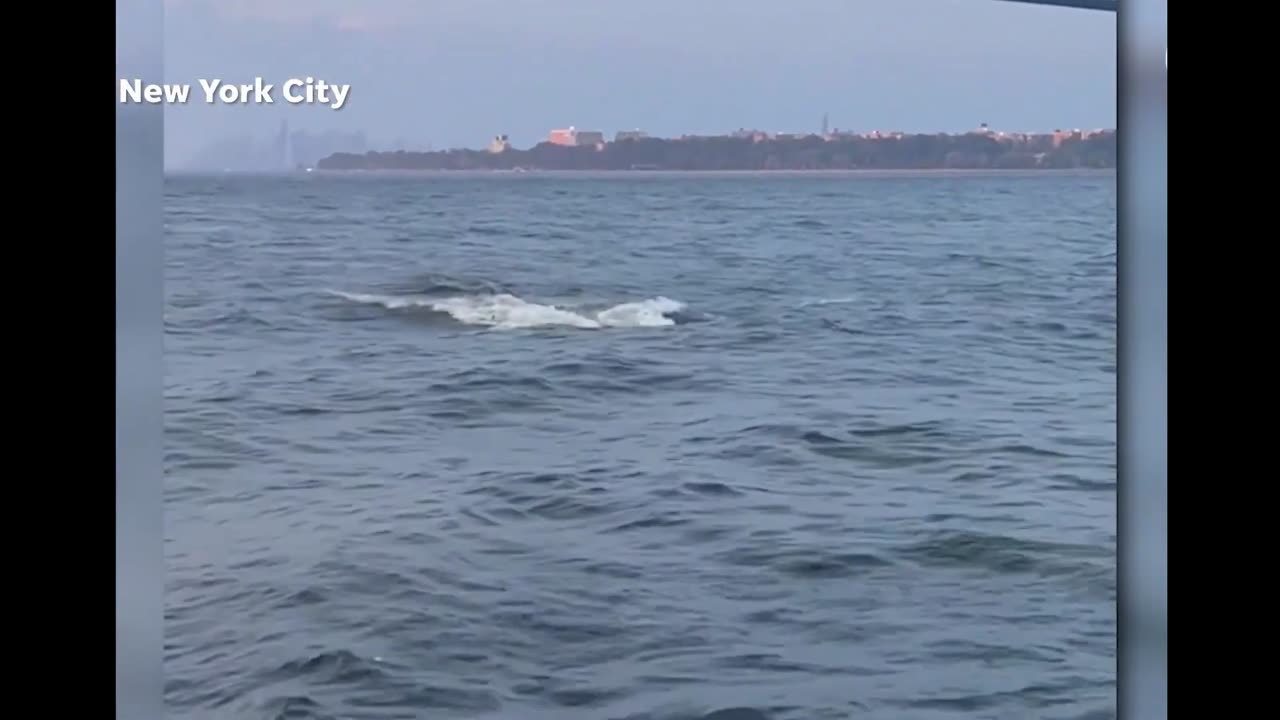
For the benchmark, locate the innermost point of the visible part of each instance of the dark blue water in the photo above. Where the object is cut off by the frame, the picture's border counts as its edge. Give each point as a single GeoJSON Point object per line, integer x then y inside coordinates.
{"type": "Point", "coordinates": [641, 447]}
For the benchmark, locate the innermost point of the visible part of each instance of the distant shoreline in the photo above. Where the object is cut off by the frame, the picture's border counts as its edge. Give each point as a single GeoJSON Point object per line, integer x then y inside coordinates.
{"type": "Point", "coordinates": [978, 151]}
{"type": "Point", "coordinates": [533, 174]}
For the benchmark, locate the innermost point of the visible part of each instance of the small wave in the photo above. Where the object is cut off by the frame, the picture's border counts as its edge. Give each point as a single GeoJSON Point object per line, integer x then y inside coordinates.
{"type": "Point", "coordinates": [818, 302]}
{"type": "Point", "coordinates": [507, 312]}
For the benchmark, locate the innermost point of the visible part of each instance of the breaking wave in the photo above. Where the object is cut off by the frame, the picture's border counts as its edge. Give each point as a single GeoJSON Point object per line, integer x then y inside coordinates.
{"type": "Point", "coordinates": [505, 311]}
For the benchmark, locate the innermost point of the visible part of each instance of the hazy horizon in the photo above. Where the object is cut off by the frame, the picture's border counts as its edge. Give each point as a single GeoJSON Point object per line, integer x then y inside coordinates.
{"type": "Point", "coordinates": [454, 73]}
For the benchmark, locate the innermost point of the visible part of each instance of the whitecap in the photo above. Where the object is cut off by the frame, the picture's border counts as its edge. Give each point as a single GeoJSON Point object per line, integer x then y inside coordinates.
{"type": "Point", "coordinates": [505, 311]}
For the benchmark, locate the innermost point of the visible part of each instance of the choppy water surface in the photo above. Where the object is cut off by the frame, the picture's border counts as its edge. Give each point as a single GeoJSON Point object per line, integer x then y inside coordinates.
{"type": "Point", "coordinates": [641, 447]}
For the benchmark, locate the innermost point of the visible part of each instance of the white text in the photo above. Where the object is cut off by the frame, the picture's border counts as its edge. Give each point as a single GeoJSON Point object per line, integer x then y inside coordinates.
{"type": "Point", "coordinates": [295, 91]}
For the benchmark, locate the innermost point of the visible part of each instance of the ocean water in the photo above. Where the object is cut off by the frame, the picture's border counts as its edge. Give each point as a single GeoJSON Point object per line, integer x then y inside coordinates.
{"type": "Point", "coordinates": [624, 447]}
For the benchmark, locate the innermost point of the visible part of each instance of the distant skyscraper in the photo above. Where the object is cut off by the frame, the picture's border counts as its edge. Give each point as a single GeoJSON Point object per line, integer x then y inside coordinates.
{"type": "Point", "coordinates": [824, 124]}
{"type": "Point", "coordinates": [285, 146]}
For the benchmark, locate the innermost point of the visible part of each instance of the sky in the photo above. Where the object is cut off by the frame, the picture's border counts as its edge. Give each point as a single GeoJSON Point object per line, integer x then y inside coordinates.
{"type": "Point", "coordinates": [454, 73]}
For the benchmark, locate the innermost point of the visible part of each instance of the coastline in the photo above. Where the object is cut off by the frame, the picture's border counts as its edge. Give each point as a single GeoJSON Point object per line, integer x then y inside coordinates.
{"type": "Point", "coordinates": [868, 173]}
{"type": "Point", "coordinates": [978, 151]}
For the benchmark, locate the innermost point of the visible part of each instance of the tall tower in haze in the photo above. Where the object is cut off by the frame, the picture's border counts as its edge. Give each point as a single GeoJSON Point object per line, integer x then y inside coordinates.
{"type": "Point", "coordinates": [824, 125]}
{"type": "Point", "coordinates": [284, 144]}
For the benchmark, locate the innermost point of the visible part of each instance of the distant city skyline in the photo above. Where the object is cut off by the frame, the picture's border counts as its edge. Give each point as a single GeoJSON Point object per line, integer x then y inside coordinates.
{"type": "Point", "coordinates": [457, 73]}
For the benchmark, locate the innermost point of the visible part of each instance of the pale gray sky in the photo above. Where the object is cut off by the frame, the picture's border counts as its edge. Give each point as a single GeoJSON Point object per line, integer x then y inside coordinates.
{"type": "Point", "coordinates": [457, 72]}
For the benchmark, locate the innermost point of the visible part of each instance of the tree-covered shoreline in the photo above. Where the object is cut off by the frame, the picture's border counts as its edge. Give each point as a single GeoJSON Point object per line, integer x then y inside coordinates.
{"type": "Point", "coordinates": [970, 151]}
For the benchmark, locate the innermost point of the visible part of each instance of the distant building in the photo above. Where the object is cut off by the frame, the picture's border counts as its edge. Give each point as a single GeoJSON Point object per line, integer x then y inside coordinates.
{"type": "Point", "coordinates": [752, 135]}
{"type": "Point", "coordinates": [883, 135]}
{"type": "Point", "coordinates": [576, 137]}
{"type": "Point", "coordinates": [500, 144]}
{"type": "Point", "coordinates": [567, 136]}
{"type": "Point", "coordinates": [1061, 136]}
{"type": "Point", "coordinates": [284, 146]}
{"type": "Point", "coordinates": [630, 135]}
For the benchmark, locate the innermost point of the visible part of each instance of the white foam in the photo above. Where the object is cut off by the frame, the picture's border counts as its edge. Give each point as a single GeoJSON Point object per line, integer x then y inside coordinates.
{"type": "Point", "coordinates": [646, 313]}
{"type": "Point", "coordinates": [388, 301]}
{"type": "Point", "coordinates": [829, 301]}
{"type": "Point", "coordinates": [507, 312]}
